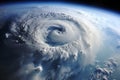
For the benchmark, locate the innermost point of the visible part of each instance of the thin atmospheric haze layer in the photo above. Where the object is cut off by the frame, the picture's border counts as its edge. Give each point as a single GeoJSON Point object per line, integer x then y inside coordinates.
{"type": "Point", "coordinates": [39, 42]}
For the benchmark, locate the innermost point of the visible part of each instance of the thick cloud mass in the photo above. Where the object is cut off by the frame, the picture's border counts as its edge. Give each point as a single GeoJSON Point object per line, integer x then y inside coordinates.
{"type": "Point", "coordinates": [51, 43]}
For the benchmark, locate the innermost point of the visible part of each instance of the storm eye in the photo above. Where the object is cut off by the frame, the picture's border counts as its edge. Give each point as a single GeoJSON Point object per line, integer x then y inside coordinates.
{"type": "Point", "coordinates": [54, 32]}
{"type": "Point", "coordinates": [61, 29]}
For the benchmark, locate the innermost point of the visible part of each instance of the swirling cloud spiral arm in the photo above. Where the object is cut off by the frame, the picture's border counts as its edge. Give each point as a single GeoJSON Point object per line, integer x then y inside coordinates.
{"type": "Point", "coordinates": [61, 35]}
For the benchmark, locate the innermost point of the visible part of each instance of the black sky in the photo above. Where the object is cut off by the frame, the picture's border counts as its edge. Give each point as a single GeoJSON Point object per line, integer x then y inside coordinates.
{"type": "Point", "coordinates": [108, 4]}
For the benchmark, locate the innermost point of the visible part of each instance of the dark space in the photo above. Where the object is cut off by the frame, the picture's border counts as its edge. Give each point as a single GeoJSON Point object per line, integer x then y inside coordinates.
{"type": "Point", "coordinates": [113, 5]}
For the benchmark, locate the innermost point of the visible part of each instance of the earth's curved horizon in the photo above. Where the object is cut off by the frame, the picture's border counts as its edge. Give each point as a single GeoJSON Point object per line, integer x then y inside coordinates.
{"type": "Point", "coordinates": [59, 41]}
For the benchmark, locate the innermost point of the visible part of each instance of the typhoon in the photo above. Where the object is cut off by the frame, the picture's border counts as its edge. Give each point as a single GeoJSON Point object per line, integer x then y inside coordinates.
{"type": "Point", "coordinates": [48, 43]}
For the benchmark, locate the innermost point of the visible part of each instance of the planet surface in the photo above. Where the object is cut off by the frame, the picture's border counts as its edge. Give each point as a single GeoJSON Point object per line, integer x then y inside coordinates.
{"type": "Point", "coordinates": [59, 42]}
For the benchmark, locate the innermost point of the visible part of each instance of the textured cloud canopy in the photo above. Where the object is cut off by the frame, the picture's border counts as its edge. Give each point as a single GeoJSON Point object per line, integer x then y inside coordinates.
{"type": "Point", "coordinates": [52, 43]}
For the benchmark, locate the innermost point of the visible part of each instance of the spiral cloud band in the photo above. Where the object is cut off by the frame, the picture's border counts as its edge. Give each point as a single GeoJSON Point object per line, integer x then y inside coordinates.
{"type": "Point", "coordinates": [53, 43]}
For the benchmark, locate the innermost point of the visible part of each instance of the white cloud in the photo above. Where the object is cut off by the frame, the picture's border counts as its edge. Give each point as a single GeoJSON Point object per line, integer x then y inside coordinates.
{"type": "Point", "coordinates": [65, 42]}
